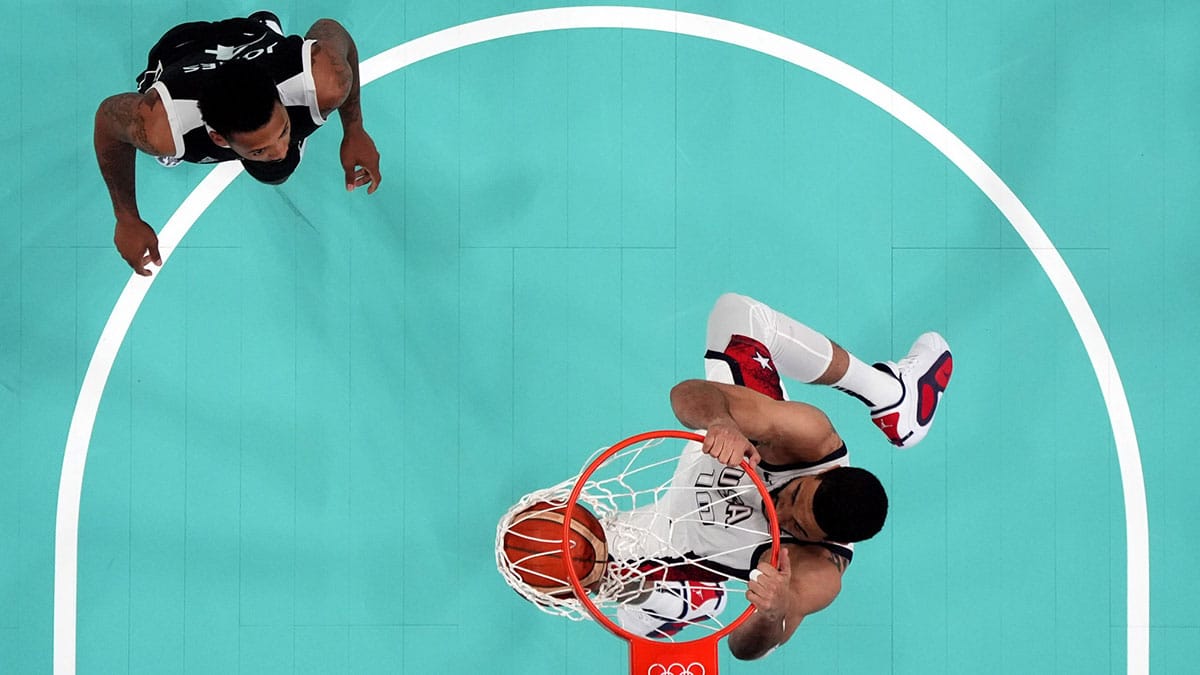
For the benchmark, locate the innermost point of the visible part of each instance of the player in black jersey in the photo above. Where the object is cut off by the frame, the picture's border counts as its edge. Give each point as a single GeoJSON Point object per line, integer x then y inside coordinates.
{"type": "Point", "coordinates": [237, 89]}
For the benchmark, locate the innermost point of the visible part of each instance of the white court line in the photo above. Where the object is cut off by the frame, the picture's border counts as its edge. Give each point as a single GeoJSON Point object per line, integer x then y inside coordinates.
{"type": "Point", "coordinates": [70, 485]}
{"type": "Point", "coordinates": [1133, 487]}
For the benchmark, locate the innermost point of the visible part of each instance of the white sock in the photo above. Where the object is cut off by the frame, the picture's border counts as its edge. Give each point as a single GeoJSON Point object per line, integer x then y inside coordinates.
{"type": "Point", "coordinates": [873, 387]}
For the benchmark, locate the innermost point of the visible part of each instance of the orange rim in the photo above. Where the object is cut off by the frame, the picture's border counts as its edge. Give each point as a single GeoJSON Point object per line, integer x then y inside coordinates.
{"type": "Point", "coordinates": [568, 514]}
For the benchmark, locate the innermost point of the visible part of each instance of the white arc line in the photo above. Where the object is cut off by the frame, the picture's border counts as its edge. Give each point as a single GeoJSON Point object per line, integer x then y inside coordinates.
{"type": "Point", "coordinates": [79, 436]}
{"type": "Point", "coordinates": [669, 21]}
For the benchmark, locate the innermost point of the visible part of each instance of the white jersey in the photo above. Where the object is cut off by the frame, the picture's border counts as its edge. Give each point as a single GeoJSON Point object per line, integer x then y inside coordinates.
{"type": "Point", "coordinates": [718, 513]}
{"type": "Point", "coordinates": [714, 513]}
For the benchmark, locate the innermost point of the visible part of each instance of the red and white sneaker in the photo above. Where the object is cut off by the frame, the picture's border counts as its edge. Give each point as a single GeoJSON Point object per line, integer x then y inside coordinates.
{"type": "Point", "coordinates": [672, 607]}
{"type": "Point", "coordinates": [923, 376]}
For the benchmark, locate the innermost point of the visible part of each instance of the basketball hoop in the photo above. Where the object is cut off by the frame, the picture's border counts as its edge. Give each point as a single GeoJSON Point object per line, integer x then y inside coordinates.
{"type": "Point", "coordinates": [642, 492]}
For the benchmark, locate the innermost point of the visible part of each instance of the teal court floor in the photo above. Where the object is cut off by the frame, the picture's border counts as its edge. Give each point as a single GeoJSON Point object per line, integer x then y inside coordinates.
{"type": "Point", "coordinates": [327, 400]}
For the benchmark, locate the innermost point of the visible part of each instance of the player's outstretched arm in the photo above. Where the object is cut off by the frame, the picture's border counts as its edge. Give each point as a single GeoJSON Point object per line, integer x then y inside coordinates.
{"type": "Point", "coordinates": [807, 580]}
{"type": "Point", "coordinates": [700, 404]}
{"type": "Point", "coordinates": [787, 431]}
{"type": "Point", "coordinates": [126, 123]}
{"type": "Point", "coordinates": [335, 73]}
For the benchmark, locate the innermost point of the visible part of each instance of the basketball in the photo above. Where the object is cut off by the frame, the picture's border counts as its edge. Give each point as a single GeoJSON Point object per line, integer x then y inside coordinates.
{"type": "Point", "coordinates": [533, 547]}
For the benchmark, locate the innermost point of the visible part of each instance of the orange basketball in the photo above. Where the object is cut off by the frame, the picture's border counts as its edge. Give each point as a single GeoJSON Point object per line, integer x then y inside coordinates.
{"type": "Point", "coordinates": [533, 546]}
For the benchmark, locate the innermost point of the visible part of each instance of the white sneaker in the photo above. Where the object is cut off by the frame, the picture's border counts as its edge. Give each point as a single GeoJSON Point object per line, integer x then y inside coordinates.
{"type": "Point", "coordinates": [672, 607]}
{"type": "Point", "coordinates": [923, 376]}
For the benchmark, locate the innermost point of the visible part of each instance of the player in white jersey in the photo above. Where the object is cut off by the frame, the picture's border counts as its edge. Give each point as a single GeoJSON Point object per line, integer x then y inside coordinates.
{"type": "Point", "coordinates": [823, 504]}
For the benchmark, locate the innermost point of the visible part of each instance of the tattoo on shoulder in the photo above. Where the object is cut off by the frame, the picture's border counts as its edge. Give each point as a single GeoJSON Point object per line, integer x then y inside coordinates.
{"type": "Point", "coordinates": [342, 71]}
{"type": "Point", "coordinates": [122, 113]}
{"type": "Point", "coordinates": [838, 561]}
{"type": "Point", "coordinates": [323, 29]}
{"type": "Point", "coordinates": [340, 74]}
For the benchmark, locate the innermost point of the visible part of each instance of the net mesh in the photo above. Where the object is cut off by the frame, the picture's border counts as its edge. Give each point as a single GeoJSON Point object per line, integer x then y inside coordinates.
{"type": "Point", "coordinates": [656, 583]}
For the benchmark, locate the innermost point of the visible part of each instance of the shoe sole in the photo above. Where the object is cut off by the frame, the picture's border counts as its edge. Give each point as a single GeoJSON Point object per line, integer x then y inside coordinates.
{"type": "Point", "coordinates": [930, 387]}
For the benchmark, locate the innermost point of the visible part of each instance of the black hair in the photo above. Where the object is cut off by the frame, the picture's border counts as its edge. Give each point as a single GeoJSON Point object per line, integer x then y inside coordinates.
{"type": "Point", "coordinates": [237, 98]}
{"type": "Point", "coordinates": [849, 504]}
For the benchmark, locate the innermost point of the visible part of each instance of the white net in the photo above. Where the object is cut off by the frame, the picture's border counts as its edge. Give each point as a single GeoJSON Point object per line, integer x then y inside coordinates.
{"type": "Point", "coordinates": [681, 531]}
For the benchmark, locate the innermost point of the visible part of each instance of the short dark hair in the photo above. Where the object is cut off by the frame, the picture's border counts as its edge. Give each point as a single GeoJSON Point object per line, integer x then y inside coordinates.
{"type": "Point", "coordinates": [849, 504]}
{"type": "Point", "coordinates": [238, 97]}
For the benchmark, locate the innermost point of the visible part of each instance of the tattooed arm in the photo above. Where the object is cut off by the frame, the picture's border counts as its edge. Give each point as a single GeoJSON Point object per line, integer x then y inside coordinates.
{"type": "Point", "coordinates": [126, 123]}
{"type": "Point", "coordinates": [807, 581]}
{"type": "Point", "coordinates": [335, 73]}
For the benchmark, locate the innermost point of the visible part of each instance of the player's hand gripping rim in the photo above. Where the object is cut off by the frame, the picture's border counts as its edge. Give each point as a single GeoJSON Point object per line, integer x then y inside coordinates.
{"type": "Point", "coordinates": [769, 587]}
{"type": "Point", "coordinates": [724, 442]}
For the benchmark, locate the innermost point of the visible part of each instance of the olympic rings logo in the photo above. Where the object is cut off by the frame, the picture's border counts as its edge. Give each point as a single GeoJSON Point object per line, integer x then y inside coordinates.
{"type": "Point", "coordinates": [693, 668]}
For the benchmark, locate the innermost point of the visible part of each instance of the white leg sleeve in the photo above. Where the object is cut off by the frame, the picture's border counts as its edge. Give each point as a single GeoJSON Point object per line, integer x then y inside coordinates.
{"type": "Point", "coordinates": [799, 352]}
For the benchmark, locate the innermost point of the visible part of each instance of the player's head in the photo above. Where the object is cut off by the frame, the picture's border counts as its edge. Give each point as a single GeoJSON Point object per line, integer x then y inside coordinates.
{"type": "Point", "coordinates": [241, 105]}
{"type": "Point", "coordinates": [845, 504]}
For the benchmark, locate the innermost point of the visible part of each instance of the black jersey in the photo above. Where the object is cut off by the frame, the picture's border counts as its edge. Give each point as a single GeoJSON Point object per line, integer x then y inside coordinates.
{"type": "Point", "coordinates": [183, 60]}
